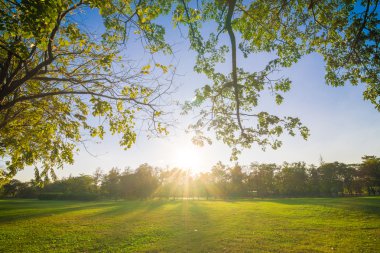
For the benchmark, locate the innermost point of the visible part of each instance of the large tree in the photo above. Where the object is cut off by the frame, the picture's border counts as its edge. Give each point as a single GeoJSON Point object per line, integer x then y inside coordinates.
{"type": "Point", "coordinates": [292, 179]}
{"type": "Point", "coordinates": [369, 172]}
{"type": "Point", "coordinates": [61, 81]}
{"type": "Point", "coordinates": [345, 33]}
{"type": "Point", "coordinates": [55, 72]}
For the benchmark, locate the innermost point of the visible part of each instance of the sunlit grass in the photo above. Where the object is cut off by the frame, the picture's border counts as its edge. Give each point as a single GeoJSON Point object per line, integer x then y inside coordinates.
{"type": "Point", "coordinates": [285, 225]}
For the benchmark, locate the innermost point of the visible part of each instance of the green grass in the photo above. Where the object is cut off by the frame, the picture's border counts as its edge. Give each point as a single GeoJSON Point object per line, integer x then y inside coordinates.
{"type": "Point", "coordinates": [272, 225]}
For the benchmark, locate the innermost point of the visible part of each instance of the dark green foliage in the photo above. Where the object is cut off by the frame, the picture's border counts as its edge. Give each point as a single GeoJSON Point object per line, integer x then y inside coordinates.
{"type": "Point", "coordinates": [238, 182]}
{"type": "Point", "coordinates": [292, 179]}
{"type": "Point", "coordinates": [369, 172]}
{"type": "Point", "coordinates": [261, 180]}
{"type": "Point", "coordinates": [11, 189]}
{"type": "Point", "coordinates": [72, 188]}
{"type": "Point", "coordinates": [140, 184]}
{"type": "Point", "coordinates": [15, 188]}
{"type": "Point", "coordinates": [68, 196]}
{"type": "Point", "coordinates": [50, 196]}
{"type": "Point", "coordinates": [111, 184]}
{"type": "Point", "coordinates": [331, 178]}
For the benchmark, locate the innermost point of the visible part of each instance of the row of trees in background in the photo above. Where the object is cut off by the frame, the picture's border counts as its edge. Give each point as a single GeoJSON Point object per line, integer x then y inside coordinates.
{"type": "Point", "coordinates": [261, 180]}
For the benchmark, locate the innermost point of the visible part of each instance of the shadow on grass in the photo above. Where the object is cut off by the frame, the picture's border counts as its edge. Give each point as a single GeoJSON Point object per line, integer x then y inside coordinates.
{"type": "Point", "coordinates": [15, 210]}
{"type": "Point", "coordinates": [138, 206]}
{"type": "Point", "coordinates": [365, 204]}
{"type": "Point", "coordinates": [369, 205]}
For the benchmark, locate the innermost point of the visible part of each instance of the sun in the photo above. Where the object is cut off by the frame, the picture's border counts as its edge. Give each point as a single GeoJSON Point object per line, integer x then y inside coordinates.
{"type": "Point", "coordinates": [188, 158]}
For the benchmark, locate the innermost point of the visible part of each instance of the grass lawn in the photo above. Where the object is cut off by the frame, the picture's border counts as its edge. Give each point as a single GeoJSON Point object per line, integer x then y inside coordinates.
{"type": "Point", "coordinates": [272, 225]}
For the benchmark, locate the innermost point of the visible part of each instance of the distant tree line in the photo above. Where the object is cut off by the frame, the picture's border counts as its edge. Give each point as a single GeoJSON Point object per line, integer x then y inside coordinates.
{"type": "Point", "coordinates": [256, 180]}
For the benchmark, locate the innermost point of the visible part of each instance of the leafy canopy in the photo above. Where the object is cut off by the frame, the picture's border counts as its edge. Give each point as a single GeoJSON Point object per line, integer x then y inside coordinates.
{"type": "Point", "coordinates": [345, 33]}
{"type": "Point", "coordinates": [61, 82]}
{"type": "Point", "coordinates": [56, 75]}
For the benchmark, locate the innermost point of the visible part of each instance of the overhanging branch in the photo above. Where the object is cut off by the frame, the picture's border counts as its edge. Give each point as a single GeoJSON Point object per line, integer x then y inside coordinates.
{"type": "Point", "coordinates": [231, 8]}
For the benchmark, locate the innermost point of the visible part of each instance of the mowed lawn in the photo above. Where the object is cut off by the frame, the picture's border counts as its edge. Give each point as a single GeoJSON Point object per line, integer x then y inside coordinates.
{"type": "Point", "coordinates": [272, 225]}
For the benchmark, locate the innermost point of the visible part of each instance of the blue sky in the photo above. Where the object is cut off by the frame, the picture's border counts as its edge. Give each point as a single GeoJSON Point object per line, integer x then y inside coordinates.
{"type": "Point", "coordinates": [343, 126]}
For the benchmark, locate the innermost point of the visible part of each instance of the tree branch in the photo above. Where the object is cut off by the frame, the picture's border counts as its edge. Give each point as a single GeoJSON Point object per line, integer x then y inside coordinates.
{"type": "Point", "coordinates": [57, 93]}
{"type": "Point", "coordinates": [231, 7]}
{"type": "Point", "coordinates": [14, 85]}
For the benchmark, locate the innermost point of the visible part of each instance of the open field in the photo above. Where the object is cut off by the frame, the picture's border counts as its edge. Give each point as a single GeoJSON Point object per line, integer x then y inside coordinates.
{"type": "Point", "coordinates": [273, 225]}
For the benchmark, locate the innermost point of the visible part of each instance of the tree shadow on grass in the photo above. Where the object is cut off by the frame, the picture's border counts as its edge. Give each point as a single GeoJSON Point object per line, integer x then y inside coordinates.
{"type": "Point", "coordinates": [156, 225]}
{"type": "Point", "coordinates": [22, 210]}
{"type": "Point", "coordinates": [151, 225]}
{"type": "Point", "coordinates": [16, 210]}
{"type": "Point", "coordinates": [369, 205]}
{"type": "Point", "coordinates": [199, 228]}
{"type": "Point", "coordinates": [134, 206]}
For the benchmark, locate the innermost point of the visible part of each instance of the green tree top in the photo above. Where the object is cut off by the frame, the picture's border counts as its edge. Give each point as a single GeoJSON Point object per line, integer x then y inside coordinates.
{"type": "Point", "coordinates": [345, 33]}
{"type": "Point", "coordinates": [56, 76]}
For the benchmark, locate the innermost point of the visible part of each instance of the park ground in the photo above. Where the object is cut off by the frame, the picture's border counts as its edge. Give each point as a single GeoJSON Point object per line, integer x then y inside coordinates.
{"type": "Point", "coordinates": [262, 225]}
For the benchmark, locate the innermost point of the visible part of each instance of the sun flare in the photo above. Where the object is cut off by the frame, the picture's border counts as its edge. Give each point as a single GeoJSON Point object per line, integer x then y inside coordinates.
{"type": "Point", "coordinates": [188, 158]}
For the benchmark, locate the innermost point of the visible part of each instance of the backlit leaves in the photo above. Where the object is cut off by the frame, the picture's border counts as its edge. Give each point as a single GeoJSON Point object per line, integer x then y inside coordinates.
{"type": "Point", "coordinates": [345, 33]}
{"type": "Point", "coordinates": [61, 82]}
